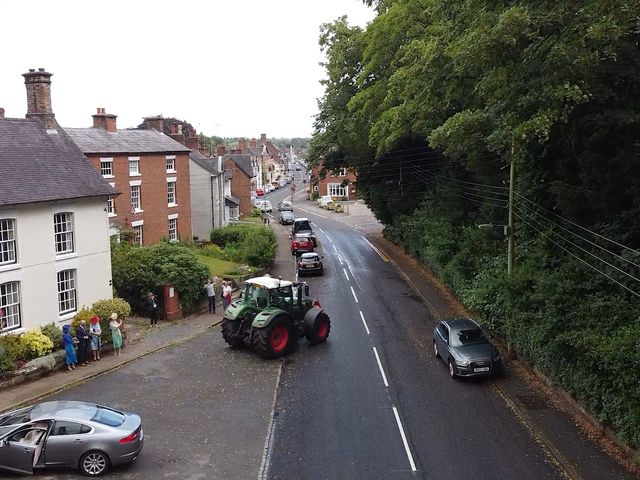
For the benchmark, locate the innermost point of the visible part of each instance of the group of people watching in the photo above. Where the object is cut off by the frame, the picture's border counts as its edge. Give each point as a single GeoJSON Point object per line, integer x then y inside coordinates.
{"type": "Point", "coordinates": [85, 345]}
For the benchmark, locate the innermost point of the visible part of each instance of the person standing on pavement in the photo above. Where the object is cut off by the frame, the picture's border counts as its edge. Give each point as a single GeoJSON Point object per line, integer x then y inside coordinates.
{"type": "Point", "coordinates": [226, 294]}
{"type": "Point", "coordinates": [116, 334]}
{"type": "Point", "coordinates": [209, 287]}
{"type": "Point", "coordinates": [69, 343]}
{"type": "Point", "coordinates": [95, 332]}
{"type": "Point", "coordinates": [83, 343]}
{"type": "Point", "coordinates": [152, 306]}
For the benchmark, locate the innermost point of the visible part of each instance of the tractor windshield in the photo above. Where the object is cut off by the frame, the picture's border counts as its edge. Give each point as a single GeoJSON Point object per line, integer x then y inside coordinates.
{"type": "Point", "coordinates": [281, 298]}
{"type": "Point", "coordinates": [256, 294]}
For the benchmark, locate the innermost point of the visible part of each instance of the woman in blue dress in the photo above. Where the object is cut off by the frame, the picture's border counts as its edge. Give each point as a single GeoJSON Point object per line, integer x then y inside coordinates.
{"type": "Point", "coordinates": [69, 347]}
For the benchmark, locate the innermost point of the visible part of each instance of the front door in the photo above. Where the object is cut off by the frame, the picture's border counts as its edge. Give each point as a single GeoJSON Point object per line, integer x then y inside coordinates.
{"type": "Point", "coordinates": [18, 448]}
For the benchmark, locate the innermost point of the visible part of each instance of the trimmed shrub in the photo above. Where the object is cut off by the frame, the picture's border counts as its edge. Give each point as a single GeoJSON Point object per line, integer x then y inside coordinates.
{"type": "Point", "coordinates": [12, 350]}
{"type": "Point", "coordinates": [259, 248]}
{"type": "Point", "coordinates": [37, 344]}
{"type": "Point", "coordinates": [213, 250]}
{"type": "Point", "coordinates": [54, 333]}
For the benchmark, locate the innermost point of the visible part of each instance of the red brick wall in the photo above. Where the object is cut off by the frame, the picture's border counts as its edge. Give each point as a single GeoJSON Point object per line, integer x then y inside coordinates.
{"type": "Point", "coordinates": [240, 187]}
{"type": "Point", "coordinates": [323, 184]}
{"type": "Point", "coordinates": [153, 191]}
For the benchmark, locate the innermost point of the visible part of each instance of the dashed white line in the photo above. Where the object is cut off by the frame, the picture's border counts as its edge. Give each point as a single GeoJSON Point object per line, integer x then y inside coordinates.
{"type": "Point", "coordinates": [345, 273]}
{"type": "Point", "coordinates": [334, 247]}
{"type": "Point", "coordinates": [321, 229]}
{"type": "Point", "coordinates": [384, 377]}
{"type": "Point", "coordinates": [404, 440]}
{"type": "Point", "coordinates": [364, 322]}
{"type": "Point", "coordinates": [340, 259]}
{"type": "Point", "coordinates": [354, 294]}
{"type": "Point", "coordinates": [329, 238]}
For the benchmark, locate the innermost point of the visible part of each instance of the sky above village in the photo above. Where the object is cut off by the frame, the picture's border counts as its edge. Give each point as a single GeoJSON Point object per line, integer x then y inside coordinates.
{"type": "Point", "coordinates": [230, 68]}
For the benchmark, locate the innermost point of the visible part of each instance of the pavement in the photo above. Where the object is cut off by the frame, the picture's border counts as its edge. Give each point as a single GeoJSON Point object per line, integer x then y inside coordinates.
{"type": "Point", "coordinates": [583, 451]}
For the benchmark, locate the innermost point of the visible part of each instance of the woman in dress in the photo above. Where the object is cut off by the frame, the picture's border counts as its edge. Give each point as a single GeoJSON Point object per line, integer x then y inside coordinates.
{"type": "Point", "coordinates": [116, 334]}
{"type": "Point", "coordinates": [69, 346]}
{"type": "Point", "coordinates": [226, 294]}
{"type": "Point", "coordinates": [95, 332]}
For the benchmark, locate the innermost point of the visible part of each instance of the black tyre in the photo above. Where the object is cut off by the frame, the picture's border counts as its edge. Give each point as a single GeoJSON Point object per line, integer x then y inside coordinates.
{"type": "Point", "coordinates": [452, 370]}
{"type": "Point", "coordinates": [317, 326]}
{"type": "Point", "coordinates": [229, 333]}
{"type": "Point", "coordinates": [275, 340]}
{"type": "Point", "coordinates": [94, 463]}
{"type": "Point", "coordinates": [321, 271]}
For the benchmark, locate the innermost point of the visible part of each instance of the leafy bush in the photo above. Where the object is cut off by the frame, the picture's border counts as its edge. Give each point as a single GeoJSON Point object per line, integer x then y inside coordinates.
{"type": "Point", "coordinates": [12, 350]}
{"type": "Point", "coordinates": [230, 234]}
{"type": "Point", "coordinates": [37, 344]}
{"type": "Point", "coordinates": [259, 248]}
{"type": "Point", "coordinates": [7, 363]}
{"type": "Point", "coordinates": [213, 250]}
{"type": "Point", "coordinates": [54, 333]}
{"type": "Point", "coordinates": [83, 314]}
{"type": "Point", "coordinates": [255, 212]}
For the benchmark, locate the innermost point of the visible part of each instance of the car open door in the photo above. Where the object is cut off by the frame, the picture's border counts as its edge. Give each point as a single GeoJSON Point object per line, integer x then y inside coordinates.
{"type": "Point", "coordinates": [17, 449]}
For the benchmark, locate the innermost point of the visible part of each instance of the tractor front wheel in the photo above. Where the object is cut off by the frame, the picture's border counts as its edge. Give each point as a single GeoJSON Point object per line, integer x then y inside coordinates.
{"type": "Point", "coordinates": [316, 326]}
{"type": "Point", "coordinates": [231, 334]}
{"type": "Point", "coordinates": [274, 340]}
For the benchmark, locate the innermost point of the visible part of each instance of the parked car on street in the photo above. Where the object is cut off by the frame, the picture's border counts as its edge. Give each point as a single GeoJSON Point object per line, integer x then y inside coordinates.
{"type": "Point", "coordinates": [264, 206]}
{"type": "Point", "coordinates": [301, 243]}
{"type": "Point", "coordinates": [325, 201]}
{"type": "Point", "coordinates": [463, 346]}
{"type": "Point", "coordinates": [71, 434]}
{"type": "Point", "coordinates": [268, 188]}
{"type": "Point", "coordinates": [310, 263]}
{"type": "Point", "coordinates": [259, 192]}
{"type": "Point", "coordinates": [285, 205]}
{"type": "Point", "coordinates": [303, 225]}
{"type": "Point", "coordinates": [287, 217]}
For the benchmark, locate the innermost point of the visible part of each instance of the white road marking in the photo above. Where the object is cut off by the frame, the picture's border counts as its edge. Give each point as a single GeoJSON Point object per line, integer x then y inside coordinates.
{"type": "Point", "coordinates": [404, 440]}
{"type": "Point", "coordinates": [340, 259]}
{"type": "Point", "coordinates": [366, 327]}
{"type": "Point", "coordinates": [354, 294]}
{"type": "Point", "coordinates": [321, 229]}
{"type": "Point", "coordinates": [334, 247]}
{"type": "Point", "coordinates": [263, 474]}
{"type": "Point", "coordinates": [345, 273]}
{"type": "Point", "coordinates": [329, 238]}
{"type": "Point", "coordinates": [384, 377]}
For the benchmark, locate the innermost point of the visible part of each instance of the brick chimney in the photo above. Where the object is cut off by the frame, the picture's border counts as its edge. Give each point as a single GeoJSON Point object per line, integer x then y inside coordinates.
{"type": "Point", "coordinates": [253, 143]}
{"type": "Point", "coordinates": [220, 150]}
{"type": "Point", "coordinates": [154, 123]}
{"type": "Point", "coordinates": [106, 121]}
{"type": "Point", "coordinates": [39, 96]}
{"type": "Point", "coordinates": [193, 142]}
{"type": "Point", "coordinates": [176, 134]}
{"type": "Point", "coordinates": [204, 151]}
{"type": "Point", "coordinates": [263, 138]}
{"type": "Point", "coordinates": [242, 145]}
{"type": "Point", "coordinates": [1, 112]}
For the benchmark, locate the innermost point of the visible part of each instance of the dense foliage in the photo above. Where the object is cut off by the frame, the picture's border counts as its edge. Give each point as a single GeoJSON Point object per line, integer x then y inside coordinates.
{"type": "Point", "coordinates": [435, 99]}
{"type": "Point", "coordinates": [254, 245]}
{"type": "Point", "coordinates": [138, 270]}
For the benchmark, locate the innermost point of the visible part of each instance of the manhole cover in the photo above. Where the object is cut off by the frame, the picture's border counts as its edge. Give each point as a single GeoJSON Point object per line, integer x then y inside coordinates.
{"type": "Point", "coordinates": [533, 402]}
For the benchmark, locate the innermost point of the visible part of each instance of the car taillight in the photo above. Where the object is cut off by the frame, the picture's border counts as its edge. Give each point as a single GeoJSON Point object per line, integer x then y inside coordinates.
{"type": "Point", "coordinates": [296, 243]}
{"type": "Point", "coordinates": [129, 438]}
{"type": "Point", "coordinates": [316, 303]}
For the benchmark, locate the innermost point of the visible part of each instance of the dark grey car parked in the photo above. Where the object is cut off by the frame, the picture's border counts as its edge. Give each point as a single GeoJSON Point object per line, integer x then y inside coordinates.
{"type": "Point", "coordinates": [463, 346]}
{"type": "Point", "coordinates": [67, 433]}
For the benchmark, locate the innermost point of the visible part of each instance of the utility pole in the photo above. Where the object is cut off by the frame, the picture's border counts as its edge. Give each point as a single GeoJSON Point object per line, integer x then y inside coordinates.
{"type": "Point", "coordinates": [510, 232]}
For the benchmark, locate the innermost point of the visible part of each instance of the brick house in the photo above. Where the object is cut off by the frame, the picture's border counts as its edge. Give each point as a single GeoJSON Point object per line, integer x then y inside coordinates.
{"type": "Point", "coordinates": [240, 169]}
{"type": "Point", "coordinates": [54, 244]}
{"type": "Point", "coordinates": [327, 182]}
{"type": "Point", "coordinates": [149, 168]}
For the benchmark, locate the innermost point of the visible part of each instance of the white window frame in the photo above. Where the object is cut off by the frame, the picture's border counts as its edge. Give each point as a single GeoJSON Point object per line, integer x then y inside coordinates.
{"type": "Point", "coordinates": [10, 305]}
{"type": "Point", "coordinates": [137, 238]}
{"type": "Point", "coordinates": [170, 164]}
{"type": "Point", "coordinates": [334, 189]}
{"type": "Point", "coordinates": [8, 244]}
{"type": "Point", "coordinates": [134, 161]}
{"type": "Point", "coordinates": [172, 200]}
{"type": "Point", "coordinates": [111, 204]}
{"type": "Point", "coordinates": [136, 204]}
{"type": "Point", "coordinates": [67, 291]}
{"type": "Point", "coordinates": [106, 167]}
{"type": "Point", "coordinates": [63, 233]}
{"type": "Point", "coordinates": [173, 231]}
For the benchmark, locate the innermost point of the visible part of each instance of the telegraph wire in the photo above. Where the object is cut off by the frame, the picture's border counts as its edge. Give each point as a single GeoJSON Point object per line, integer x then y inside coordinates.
{"type": "Point", "coordinates": [425, 176]}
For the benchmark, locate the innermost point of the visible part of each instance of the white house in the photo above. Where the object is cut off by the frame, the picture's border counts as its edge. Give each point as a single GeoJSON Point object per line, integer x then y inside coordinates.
{"type": "Point", "coordinates": [54, 241]}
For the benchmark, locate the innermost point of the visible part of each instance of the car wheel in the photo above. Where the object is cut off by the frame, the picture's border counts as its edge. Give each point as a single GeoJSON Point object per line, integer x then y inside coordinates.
{"type": "Point", "coordinates": [94, 464]}
{"type": "Point", "coordinates": [435, 349]}
{"type": "Point", "coordinates": [452, 370]}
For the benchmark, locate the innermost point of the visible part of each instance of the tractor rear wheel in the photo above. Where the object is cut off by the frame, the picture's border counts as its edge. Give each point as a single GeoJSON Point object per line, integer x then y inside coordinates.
{"type": "Point", "coordinates": [273, 341]}
{"type": "Point", "coordinates": [316, 327]}
{"type": "Point", "coordinates": [230, 333]}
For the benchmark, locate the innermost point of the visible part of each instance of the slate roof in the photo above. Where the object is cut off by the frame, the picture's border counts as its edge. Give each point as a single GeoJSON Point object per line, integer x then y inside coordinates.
{"type": "Point", "coordinates": [230, 200]}
{"type": "Point", "coordinates": [210, 164]}
{"type": "Point", "coordinates": [98, 140]}
{"type": "Point", "coordinates": [242, 160]}
{"type": "Point", "coordinates": [40, 165]}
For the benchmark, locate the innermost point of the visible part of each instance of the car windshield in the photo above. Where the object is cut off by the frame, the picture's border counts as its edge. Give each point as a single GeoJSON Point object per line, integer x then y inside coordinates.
{"type": "Point", "coordinates": [304, 225]}
{"type": "Point", "coordinates": [16, 417]}
{"type": "Point", "coordinates": [310, 259]}
{"type": "Point", "coordinates": [462, 338]}
{"type": "Point", "coordinates": [302, 238]}
{"type": "Point", "coordinates": [108, 417]}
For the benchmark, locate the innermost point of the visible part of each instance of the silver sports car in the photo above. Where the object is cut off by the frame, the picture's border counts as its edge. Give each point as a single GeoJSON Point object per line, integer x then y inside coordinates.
{"type": "Point", "coordinates": [68, 434]}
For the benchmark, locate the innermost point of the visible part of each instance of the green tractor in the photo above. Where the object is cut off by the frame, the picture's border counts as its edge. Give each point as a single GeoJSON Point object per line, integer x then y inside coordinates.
{"type": "Point", "coordinates": [270, 314]}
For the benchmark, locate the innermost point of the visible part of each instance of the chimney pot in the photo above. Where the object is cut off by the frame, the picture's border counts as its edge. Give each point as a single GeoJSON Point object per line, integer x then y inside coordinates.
{"type": "Point", "coordinates": [173, 129]}
{"type": "Point", "coordinates": [41, 69]}
{"type": "Point", "coordinates": [180, 129]}
{"type": "Point", "coordinates": [1, 112]}
{"type": "Point", "coordinates": [31, 70]}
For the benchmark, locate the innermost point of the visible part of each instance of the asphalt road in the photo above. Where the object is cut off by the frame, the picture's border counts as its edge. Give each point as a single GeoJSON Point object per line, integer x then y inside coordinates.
{"type": "Point", "coordinates": [373, 402]}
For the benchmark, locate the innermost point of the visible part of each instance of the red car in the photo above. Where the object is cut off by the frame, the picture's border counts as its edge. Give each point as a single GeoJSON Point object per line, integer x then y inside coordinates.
{"type": "Point", "coordinates": [259, 192]}
{"type": "Point", "coordinates": [301, 244]}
